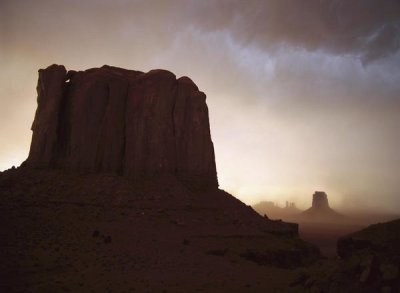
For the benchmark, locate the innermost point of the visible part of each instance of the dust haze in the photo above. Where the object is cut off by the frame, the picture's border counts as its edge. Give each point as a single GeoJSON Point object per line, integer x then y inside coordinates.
{"type": "Point", "coordinates": [302, 97]}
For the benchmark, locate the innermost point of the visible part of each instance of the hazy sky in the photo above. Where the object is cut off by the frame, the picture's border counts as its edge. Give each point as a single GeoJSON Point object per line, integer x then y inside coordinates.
{"type": "Point", "coordinates": [303, 95]}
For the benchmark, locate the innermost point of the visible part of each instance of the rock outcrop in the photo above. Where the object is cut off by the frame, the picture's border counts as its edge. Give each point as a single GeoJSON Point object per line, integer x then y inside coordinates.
{"type": "Point", "coordinates": [369, 261]}
{"type": "Point", "coordinates": [373, 254]}
{"type": "Point", "coordinates": [381, 238]}
{"type": "Point", "coordinates": [113, 120]}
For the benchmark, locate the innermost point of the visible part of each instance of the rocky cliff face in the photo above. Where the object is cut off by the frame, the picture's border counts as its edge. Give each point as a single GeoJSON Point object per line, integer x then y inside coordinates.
{"type": "Point", "coordinates": [121, 121]}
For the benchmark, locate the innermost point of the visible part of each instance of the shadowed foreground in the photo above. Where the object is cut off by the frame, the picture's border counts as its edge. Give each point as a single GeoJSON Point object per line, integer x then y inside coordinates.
{"type": "Point", "coordinates": [66, 232]}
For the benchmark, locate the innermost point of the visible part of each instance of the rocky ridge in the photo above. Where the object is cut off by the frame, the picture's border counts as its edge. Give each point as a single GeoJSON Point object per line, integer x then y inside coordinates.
{"type": "Point", "coordinates": [369, 261]}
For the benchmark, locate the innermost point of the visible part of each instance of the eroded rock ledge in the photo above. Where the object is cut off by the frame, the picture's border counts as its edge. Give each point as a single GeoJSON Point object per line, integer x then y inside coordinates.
{"type": "Point", "coordinates": [122, 121]}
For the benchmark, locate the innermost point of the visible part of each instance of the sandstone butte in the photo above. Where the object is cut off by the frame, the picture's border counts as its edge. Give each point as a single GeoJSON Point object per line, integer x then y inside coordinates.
{"type": "Point", "coordinates": [113, 120]}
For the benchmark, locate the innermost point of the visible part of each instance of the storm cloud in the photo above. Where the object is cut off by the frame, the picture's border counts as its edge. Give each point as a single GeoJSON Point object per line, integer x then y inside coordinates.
{"type": "Point", "coordinates": [367, 29]}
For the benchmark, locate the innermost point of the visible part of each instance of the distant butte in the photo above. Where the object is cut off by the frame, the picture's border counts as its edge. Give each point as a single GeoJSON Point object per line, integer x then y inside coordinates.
{"type": "Point", "coordinates": [122, 121]}
{"type": "Point", "coordinates": [320, 209]}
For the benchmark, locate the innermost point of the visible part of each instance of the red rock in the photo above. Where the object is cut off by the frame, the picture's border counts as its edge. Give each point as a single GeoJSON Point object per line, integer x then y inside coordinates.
{"type": "Point", "coordinates": [50, 89]}
{"type": "Point", "coordinates": [95, 120]}
{"type": "Point", "coordinates": [150, 141]}
{"type": "Point", "coordinates": [192, 132]}
{"type": "Point", "coordinates": [122, 121]}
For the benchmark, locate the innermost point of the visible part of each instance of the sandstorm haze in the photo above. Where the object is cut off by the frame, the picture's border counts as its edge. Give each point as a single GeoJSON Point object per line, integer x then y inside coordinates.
{"type": "Point", "coordinates": [303, 96]}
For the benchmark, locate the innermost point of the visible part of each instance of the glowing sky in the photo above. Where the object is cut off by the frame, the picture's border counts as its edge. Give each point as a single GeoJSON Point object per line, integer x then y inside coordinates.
{"type": "Point", "coordinates": [303, 95]}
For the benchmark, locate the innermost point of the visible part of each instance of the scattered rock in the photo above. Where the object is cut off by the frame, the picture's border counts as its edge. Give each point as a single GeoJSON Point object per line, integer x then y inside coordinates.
{"type": "Point", "coordinates": [368, 269]}
{"type": "Point", "coordinates": [389, 272]}
{"type": "Point", "coordinates": [309, 282]}
{"type": "Point", "coordinates": [300, 279]}
{"type": "Point", "coordinates": [365, 275]}
{"type": "Point", "coordinates": [107, 239]}
{"type": "Point", "coordinates": [178, 222]}
{"type": "Point", "coordinates": [386, 289]}
{"type": "Point", "coordinates": [315, 289]}
{"type": "Point", "coordinates": [217, 252]}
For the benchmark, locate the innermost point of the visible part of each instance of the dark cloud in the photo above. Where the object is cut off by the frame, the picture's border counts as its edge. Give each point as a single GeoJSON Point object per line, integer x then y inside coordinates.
{"type": "Point", "coordinates": [367, 28]}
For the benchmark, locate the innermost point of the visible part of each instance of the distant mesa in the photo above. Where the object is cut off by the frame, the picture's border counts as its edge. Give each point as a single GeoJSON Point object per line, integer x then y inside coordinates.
{"type": "Point", "coordinates": [274, 211]}
{"type": "Point", "coordinates": [113, 120]}
{"type": "Point", "coordinates": [320, 209]}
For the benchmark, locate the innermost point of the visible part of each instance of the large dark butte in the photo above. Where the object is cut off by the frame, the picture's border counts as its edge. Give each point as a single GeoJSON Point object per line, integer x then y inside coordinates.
{"type": "Point", "coordinates": [123, 122]}
{"type": "Point", "coordinates": [120, 193]}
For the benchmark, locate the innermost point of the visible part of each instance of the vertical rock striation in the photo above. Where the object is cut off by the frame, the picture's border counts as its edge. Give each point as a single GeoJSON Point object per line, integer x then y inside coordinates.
{"type": "Point", "coordinates": [50, 89]}
{"type": "Point", "coordinates": [122, 121]}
